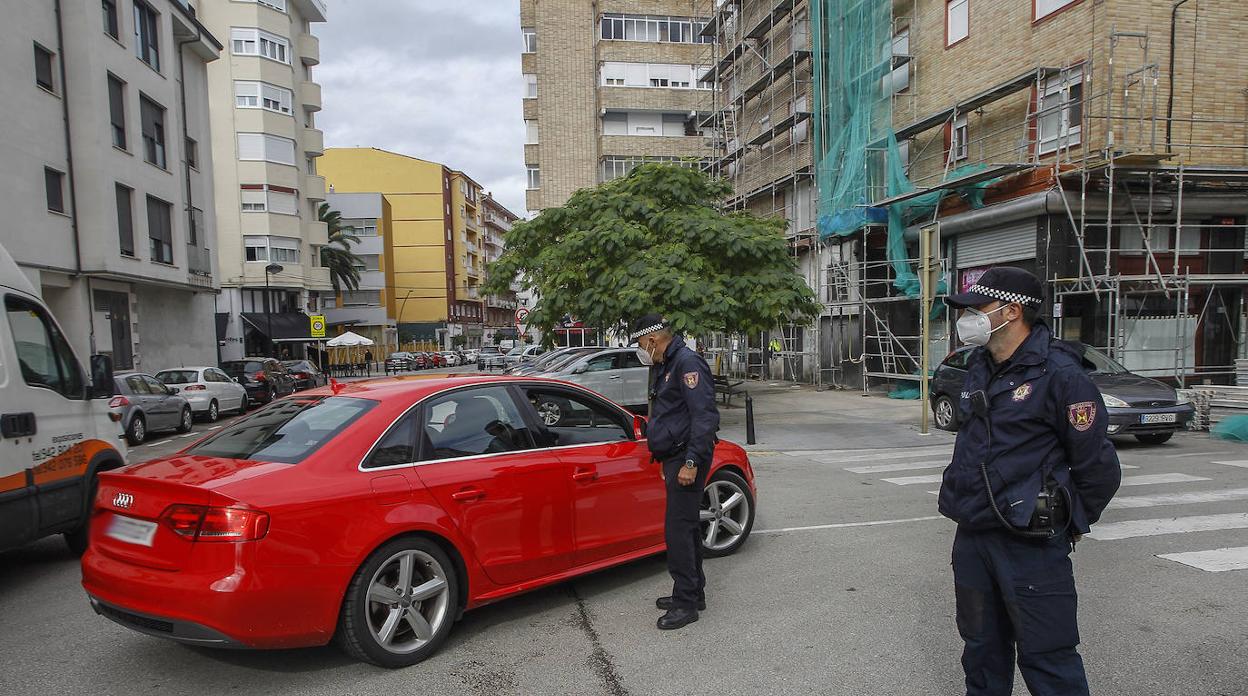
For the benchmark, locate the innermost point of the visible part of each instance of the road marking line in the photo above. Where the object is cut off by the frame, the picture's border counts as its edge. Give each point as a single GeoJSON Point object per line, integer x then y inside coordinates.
{"type": "Point", "coordinates": [878, 455]}
{"type": "Point", "coordinates": [189, 435]}
{"type": "Point", "coordinates": [153, 444]}
{"type": "Point", "coordinates": [844, 525]}
{"type": "Point", "coordinates": [934, 492]}
{"type": "Point", "coordinates": [1127, 466]}
{"type": "Point", "coordinates": [1213, 561]}
{"type": "Point", "coordinates": [911, 480]}
{"type": "Point", "coordinates": [1243, 463]}
{"type": "Point", "coordinates": [1150, 479]}
{"type": "Point", "coordinates": [1195, 454]}
{"type": "Point", "coordinates": [1143, 501]}
{"type": "Point", "coordinates": [899, 466]}
{"type": "Point", "coordinates": [1171, 525]}
{"type": "Point", "coordinates": [870, 452]}
{"type": "Point", "coordinates": [214, 427]}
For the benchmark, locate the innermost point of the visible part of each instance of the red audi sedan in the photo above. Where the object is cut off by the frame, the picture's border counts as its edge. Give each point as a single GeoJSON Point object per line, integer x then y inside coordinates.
{"type": "Point", "coordinates": [374, 514]}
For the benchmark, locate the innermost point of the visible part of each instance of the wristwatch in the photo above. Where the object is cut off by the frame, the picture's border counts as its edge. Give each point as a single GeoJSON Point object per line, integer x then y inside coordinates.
{"type": "Point", "coordinates": [689, 464]}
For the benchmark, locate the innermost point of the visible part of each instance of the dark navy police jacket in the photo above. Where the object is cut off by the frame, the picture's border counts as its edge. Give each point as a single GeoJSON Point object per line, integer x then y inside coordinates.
{"type": "Point", "coordinates": [683, 416]}
{"type": "Point", "coordinates": [1047, 419]}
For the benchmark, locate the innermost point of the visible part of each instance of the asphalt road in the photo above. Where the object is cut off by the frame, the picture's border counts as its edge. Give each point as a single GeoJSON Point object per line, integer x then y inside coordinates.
{"type": "Point", "coordinates": [845, 588]}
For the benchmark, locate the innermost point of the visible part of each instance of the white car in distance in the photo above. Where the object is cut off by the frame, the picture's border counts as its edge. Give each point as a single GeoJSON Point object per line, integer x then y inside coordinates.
{"type": "Point", "coordinates": [208, 390]}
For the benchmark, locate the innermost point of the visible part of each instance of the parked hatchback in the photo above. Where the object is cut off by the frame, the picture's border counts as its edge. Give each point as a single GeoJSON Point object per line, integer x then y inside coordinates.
{"type": "Point", "coordinates": [305, 374]}
{"type": "Point", "coordinates": [208, 390]}
{"type": "Point", "coordinates": [1146, 408]}
{"type": "Point", "coordinates": [617, 373]}
{"type": "Point", "coordinates": [490, 357]}
{"type": "Point", "coordinates": [264, 378]}
{"type": "Point", "coordinates": [146, 405]}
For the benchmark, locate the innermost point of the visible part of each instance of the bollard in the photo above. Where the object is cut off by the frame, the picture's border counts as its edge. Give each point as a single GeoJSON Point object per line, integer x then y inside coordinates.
{"type": "Point", "coordinates": [749, 419]}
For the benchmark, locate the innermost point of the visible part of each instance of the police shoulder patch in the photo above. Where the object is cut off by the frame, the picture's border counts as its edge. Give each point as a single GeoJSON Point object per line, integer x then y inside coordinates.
{"type": "Point", "coordinates": [691, 379]}
{"type": "Point", "coordinates": [1081, 415]}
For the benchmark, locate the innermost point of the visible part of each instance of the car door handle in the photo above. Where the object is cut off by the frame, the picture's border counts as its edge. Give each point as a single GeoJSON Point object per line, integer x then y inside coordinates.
{"type": "Point", "coordinates": [584, 475]}
{"type": "Point", "coordinates": [468, 495]}
{"type": "Point", "coordinates": [614, 377]}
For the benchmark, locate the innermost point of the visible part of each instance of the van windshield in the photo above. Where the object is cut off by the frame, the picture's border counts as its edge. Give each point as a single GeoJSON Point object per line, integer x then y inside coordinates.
{"type": "Point", "coordinates": [287, 431]}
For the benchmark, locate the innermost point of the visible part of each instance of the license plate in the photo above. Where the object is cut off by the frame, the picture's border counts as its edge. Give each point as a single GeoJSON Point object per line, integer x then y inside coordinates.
{"type": "Point", "coordinates": [1147, 418]}
{"type": "Point", "coordinates": [131, 531]}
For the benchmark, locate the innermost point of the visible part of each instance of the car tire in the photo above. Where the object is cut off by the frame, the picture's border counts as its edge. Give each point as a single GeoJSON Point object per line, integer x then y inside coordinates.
{"type": "Point", "coordinates": [364, 618]}
{"type": "Point", "coordinates": [78, 539]}
{"type": "Point", "coordinates": [136, 432]}
{"type": "Point", "coordinates": [945, 413]}
{"type": "Point", "coordinates": [187, 421]}
{"type": "Point", "coordinates": [214, 411]}
{"type": "Point", "coordinates": [719, 503]}
{"type": "Point", "coordinates": [1154, 438]}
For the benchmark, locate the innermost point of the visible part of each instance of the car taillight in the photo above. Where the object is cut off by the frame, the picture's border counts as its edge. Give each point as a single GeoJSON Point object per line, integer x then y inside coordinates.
{"type": "Point", "coordinates": [259, 376]}
{"type": "Point", "coordinates": [203, 523]}
{"type": "Point", "coordinates": [302, 375]}
{"type": "Point", "coordinates": [118, 402]}
{"type": "Point", "coordinates": [194, 387]}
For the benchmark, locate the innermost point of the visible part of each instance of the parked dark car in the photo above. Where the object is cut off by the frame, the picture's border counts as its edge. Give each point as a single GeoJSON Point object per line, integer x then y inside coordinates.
{"type": "Point", "coordinates": [147, 405]}
{"type": "Point", "coordinates": [265, 379]}
{"type": "Point", "coordinates": [305, 373]}
{"type": "Point", "coordinates": [400, 361]}
{"type": "Point", "coordinates": [1146, 408]}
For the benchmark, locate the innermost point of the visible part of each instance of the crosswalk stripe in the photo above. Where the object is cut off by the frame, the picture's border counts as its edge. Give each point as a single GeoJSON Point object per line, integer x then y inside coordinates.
{"type": "Point", "coordinates": [911, 480]}
{"type": "Point", "coordinates": [874, 453]}
{"type": "Point", "coordinates": [1150, 479]}
{"type": "Point", "coordinates": [1143, 501]}
{"type": "Point", "coordinates": [1110, 531]}
{"type": "Point", "coordinates": [897, 466]}
{"type": "Point", "coordinates": [1243, 463]}
{"type": "Point", "coordinates": [860, 457]}
{"type": "Point", "coordinates": [1213, 561]}
{"type": "Point", "coordinates": [1194, 454]}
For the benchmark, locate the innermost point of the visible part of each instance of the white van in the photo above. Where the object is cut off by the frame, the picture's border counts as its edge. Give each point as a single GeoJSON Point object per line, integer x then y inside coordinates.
{"type": "Point", "coordinates": [56, 432]}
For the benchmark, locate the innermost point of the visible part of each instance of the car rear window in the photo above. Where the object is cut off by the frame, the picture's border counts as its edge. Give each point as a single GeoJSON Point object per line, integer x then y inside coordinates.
{"type": "Point", "coordinates": [178, 376]}
{"type": "Point", "coordinates": [287, 431]}
{"type": "Point", "coordinates": [241, 367]}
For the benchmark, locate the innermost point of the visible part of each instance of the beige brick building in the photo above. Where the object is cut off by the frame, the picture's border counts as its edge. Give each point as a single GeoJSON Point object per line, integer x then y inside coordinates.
{"type": "Point", "coordinates": [610, 84]}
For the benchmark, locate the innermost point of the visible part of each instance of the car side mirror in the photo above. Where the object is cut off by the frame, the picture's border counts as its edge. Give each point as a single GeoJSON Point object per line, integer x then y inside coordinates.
{"type": "Point", "coordinates": [240, 380]}
{"type": "Point", "coordinates": [639, 427]}
{"type": "Point", "coordinates": [579, 369]}
{"type": "Point", "coordinates": [102, 386]}
{"type": "Point", "coordinates": [172, 390]}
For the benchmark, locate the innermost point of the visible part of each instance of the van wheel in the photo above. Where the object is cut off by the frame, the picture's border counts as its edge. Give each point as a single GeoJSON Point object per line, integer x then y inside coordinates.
{"type": "Point", "coordinates": [137, 432]}
{"type": "Point", "coordinates": [187, 420]}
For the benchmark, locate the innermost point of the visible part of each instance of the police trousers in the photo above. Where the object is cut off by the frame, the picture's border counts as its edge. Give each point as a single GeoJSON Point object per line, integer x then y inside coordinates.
{"type": "Point", "coordinates": [682, 532]}
{"type": "Point", "coordinates": [1017, 593]}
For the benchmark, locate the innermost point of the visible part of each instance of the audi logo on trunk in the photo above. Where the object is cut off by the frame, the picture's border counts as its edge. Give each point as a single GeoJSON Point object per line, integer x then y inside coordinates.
{"type": "Point", "coordinates": [123, 501]}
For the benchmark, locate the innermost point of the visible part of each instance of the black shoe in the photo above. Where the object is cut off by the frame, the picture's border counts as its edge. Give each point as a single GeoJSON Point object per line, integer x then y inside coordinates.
{"type": "Point", "coordinates": [665, 603]}
{"type": "Point", "coordinates": [677, 618]}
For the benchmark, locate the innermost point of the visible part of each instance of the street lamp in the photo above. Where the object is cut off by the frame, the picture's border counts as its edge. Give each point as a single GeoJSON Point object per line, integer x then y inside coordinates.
{"type": "Point", "coordinates": [271, 269]}
{"type": "Point", "coordinates": [399, 321]}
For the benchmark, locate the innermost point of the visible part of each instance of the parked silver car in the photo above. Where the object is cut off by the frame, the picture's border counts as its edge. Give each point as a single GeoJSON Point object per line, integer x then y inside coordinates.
{"type": "Point", "coordinates": [208, 390]}
{"type": "Point", "coordinates": [550, 361]}
{"type": "Point", "coordinates": [146, 405]}
{"type": "Point", "coordinates": [617, 373]}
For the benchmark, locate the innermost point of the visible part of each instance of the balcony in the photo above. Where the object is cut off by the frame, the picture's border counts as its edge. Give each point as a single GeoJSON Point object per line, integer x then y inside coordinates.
{"type": "Point", "coordinates": [309, 49]}
{"type": "Point", "coordinates": [471, 248]}
{"type": "Point", "coordinates": [313, 141]}
{"type": "Point", "coordinates": [471, 223]}
{"type": "Point", "coordinates": [472, 272]}
{"type": "Point", "coordinates": [310, 95]}
{"type": "Point", "coordinates": [199, 261]}
{"type": "Point", "coordinates": [318, 233]}
{"type": "Point", "coordinates": [312, 10]}
{"type": "Point", "coordinates": [314, 187]}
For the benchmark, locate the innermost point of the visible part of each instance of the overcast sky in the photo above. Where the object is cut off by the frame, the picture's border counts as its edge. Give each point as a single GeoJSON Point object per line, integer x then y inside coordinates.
{"type": "Point", "coordinates": [434, 79]}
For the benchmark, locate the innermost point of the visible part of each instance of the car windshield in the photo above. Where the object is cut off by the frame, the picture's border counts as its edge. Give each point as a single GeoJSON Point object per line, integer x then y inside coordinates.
{"type": "Point", "coordinates": [490, 349]}
{"type": "Point", "coordinates": [178, 376]}
{"type": "Point", "coordinates": [567, 359]}
{"type": "Point", "coordinates": [1103, 364]}
{"type": "Point", "coordinates": [237, 368]}
{"type": "Point", "coordinates": [286, 432]}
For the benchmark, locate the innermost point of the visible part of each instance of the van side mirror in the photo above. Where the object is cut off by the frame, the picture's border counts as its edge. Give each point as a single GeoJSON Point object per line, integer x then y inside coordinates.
{"type": "Point", "coordinates": [639, 427]}
{"type": "Point", "coordinates": [102, 377]}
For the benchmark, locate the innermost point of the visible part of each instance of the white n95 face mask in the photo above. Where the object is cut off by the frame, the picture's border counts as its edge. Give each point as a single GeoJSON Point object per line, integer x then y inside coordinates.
{"type": "Point", "coordinates": [975, 327]}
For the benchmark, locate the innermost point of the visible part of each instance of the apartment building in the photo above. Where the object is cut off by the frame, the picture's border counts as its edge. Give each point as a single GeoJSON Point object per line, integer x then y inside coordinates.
{"type": "Point", "coordinates": [500, 310]}
{"type": "Point", "coordinates": [366, 309]}
{"type": "Point", "coordinates": [265, 144]}
{"type": "Point", "coordinates": [109, 205]}
{"type": "Point", "coordinates": [1099, 144]}
{"type": "Point", "coordinates": [438, 237]}
{"type": "Point", "coordinates": [610, 84]}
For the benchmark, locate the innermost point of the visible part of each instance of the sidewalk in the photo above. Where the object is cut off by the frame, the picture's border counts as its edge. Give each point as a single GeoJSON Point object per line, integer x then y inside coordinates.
{"type": "Point", "coordinates": [797, 417]}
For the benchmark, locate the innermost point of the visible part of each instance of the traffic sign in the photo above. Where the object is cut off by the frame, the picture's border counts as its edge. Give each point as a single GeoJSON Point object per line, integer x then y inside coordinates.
{"type": "Point", "coordinates": [317, 322]}
{"type": "Point", "coordinates": [521, 314]}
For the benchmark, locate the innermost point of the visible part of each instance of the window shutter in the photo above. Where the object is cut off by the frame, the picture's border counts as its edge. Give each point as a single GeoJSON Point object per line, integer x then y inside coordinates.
{"type": "Point", "coordinates": [251, 146]}
{"type": "Point", "coordinates": [280, 202]}
{"type": "Point", "coordinates": [279, 149]}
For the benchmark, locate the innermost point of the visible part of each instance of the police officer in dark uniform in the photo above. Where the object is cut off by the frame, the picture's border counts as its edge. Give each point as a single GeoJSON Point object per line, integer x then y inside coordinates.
{"type": "Point", "coordinates": [681, 436]}
{"type": "Point", "coordinates": [1032, 469]}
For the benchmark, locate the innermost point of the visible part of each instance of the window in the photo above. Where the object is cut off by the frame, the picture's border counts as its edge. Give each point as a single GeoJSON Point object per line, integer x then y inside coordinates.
{"type": "Point", "coordinates": [152, 116]}
{"type": "Point", "coordinates": [397, 446]}
{"type": "Point", "coordinates": [286, 432]}
{"type": "Point", "coordinates": [43, 68]}
{"type": "Point", "coordinates": [959, 142]}
{"type": "Point", "coordinates": [644, 123]}
{"type": "Point", "coordinates": [125, 219]}
{"type": "Point", "coordinates": [653, 28]}
{"type": "Point", "coordinates": [361, 298]}
{"type": "Point", "coordinates": [54, 188]}
{"type": "Point", "coordinates": [899, 79]}
{"type": "Point", "coordinates": [957, 21]}
{"type": "Point", "coordinates": [310, 164]}
{"type": "Point", "coordinates": [192, 153]}
{"type": "Point", "coordinates": [530, 132]}
{"type": "Point", "coordinates": [530, 39]}
{"type": "Point", "coordinates": [472, 422]}
{"type": "Point", "coordinates": [278, 249]}
{"type": "Point", "coordinates": [279, 5]}
{"type": "Point", "coordinates": [535, 177]}
{"type": "Point", "coordinates": [110, 19]}
{"type": "Point", "coordinates": [268, 198]}
{"type": "Point", "coordinates": [147, 34]}
{"type": "Point", "coordinates": [266, 148]}
{"type": "Point", "coordinates": [160, 230]}
{"type": "Point", "coordinates": [117, 111]}
{"type": "Point", "coordinates": [614, 166]}
{"type": "Point", "coordinates": [246, 41]}
{"type": "Point", "coordinates": [1060, 111]}
{"type": "Point", "coordinates": [1044, 8]}
{"type": "Point", "coordinates": [43, 354]}
{"type": "Point", "coordinates": [257, 248]}
{"type": "Point", "coordinates": [670, 75]}
{"type": "Point", "coordinates": [262, 95]}
{"type": "Point", "coordinates": [530, 86]}
{"type": "Point", "coordinates": [571, 418]}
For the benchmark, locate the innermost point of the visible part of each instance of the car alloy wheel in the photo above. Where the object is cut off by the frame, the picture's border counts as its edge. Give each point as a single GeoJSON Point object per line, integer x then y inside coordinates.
{"type": "Point", "coordinates": [726, 514]}
{"type": "Point", "coordinates": [550, 413]}
{"type": "Point", "coordinates": [187, 421]}
{"type": "Point", "coordinates": [137, 432]}
{"type": "Point", "coordinates": [213, 412]}
{"type": "Point", "coordinates": [946, 416]}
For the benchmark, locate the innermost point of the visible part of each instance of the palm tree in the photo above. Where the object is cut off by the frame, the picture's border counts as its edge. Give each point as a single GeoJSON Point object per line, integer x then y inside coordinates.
{"type": "Point", "coordinates": [337, 255]}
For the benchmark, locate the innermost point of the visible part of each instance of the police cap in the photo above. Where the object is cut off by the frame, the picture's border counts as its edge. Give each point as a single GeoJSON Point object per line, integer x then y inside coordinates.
{"type": "Point", "coordinates": [645, 325]}
{"type": "Point", "coordinates": [1004, 283]}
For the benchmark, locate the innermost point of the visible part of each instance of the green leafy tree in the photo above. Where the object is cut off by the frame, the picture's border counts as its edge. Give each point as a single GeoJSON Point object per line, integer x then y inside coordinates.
{"type": "Point", "coordinates": [337, 255]}
{"type": "Point", "coordinates": [655, 241]}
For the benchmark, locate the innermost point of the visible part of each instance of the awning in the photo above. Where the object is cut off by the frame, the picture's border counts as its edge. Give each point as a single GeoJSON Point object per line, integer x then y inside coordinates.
{"type": "Point", "coordinates": [287, 326]}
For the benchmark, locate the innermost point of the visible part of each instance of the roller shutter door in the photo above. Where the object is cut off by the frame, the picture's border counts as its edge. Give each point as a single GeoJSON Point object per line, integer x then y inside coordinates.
{"type": "Point", "coordinates": [1013, 242]}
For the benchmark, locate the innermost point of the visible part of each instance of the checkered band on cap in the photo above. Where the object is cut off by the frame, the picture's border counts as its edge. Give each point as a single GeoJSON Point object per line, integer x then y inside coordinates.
{"type": "Point", "coordinates": [1005, 296]}
{"type": "Point", "coordinates": [646, 331]}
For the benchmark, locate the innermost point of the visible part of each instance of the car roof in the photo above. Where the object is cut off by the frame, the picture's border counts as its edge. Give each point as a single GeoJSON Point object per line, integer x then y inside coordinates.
{"type": "Point", "coordinates": [188, 367]}
{"type": "Point", "coordinates": [417, 386]}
